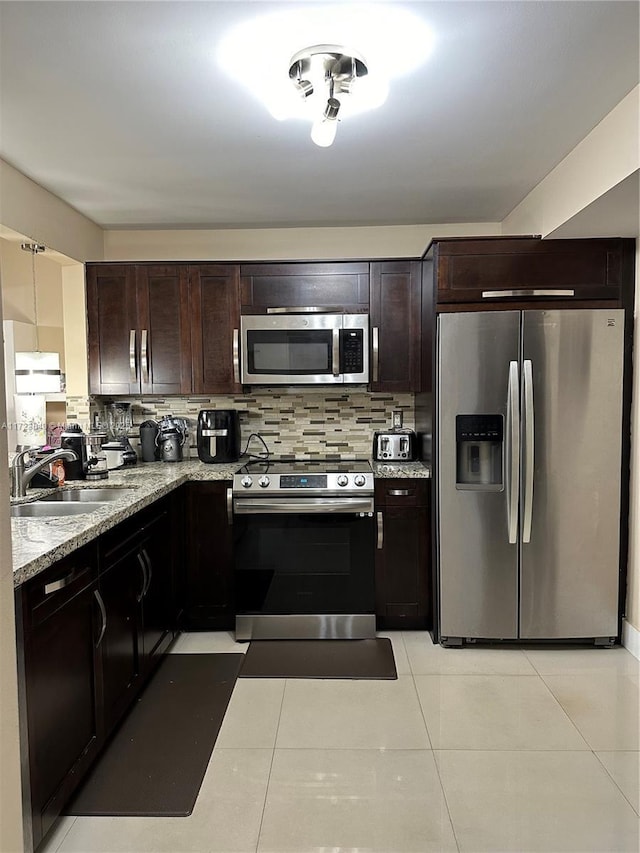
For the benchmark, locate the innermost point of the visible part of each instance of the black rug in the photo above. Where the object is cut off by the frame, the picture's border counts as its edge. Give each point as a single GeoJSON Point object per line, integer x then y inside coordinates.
{"type": "Point", "coordinates": [319, 659]}
{"type": "Point", "coordinates": [155, 763]}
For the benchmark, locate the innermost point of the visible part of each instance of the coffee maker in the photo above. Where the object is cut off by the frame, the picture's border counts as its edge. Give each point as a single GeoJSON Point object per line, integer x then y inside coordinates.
{"type": "Point", "coordinates": [218, 435]}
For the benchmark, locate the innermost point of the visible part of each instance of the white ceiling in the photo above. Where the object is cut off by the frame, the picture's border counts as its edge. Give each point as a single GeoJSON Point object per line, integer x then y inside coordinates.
{"type": "Point", "coordinates": [120, 109]}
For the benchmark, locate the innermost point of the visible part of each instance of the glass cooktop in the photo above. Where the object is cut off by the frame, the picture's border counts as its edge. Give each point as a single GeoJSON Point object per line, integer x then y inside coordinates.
{"type": "Point", "coordinates": [306, 466]}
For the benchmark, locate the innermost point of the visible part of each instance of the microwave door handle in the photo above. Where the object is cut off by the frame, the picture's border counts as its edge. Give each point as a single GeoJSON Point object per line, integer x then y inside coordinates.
{"type": "Point", "coordinates": [336, 352]}
{"type": "Point", "coordinates": [236, 357]}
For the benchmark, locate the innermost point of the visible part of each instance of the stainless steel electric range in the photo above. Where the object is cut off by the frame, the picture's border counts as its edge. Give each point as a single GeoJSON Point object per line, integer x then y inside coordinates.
{"type": "Point", "coordinates": [304, 549]}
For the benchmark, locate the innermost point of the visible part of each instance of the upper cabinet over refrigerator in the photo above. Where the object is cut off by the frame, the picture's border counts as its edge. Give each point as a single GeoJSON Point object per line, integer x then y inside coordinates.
{"type": "Point", "coordinates": [528, 468]}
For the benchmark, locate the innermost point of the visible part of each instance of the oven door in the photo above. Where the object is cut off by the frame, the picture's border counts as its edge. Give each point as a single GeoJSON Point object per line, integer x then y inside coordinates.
{"type": "Point", "coordinates": [303, 562]}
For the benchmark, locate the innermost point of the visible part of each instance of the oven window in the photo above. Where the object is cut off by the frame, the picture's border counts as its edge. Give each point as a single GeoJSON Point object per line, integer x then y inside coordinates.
{"type": "Point", "coordinates": [289, 352]}
{"type": "Point", "coordinates": [304, 564]}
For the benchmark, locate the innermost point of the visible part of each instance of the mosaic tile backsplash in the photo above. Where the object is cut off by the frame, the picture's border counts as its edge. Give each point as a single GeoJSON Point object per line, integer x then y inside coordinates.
{"type": "Point", "coordinates": [305, 424]}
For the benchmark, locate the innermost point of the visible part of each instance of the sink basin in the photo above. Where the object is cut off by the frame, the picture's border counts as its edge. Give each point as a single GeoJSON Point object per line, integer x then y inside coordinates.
{"type": "Point", "coordinates": [53, 509]}
{"type": "Point", "coordinates": [84, 495]}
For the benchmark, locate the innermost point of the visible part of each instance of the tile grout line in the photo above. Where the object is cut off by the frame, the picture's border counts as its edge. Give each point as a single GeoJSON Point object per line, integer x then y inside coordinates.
{"type": "Point", "coordinates": [433, 755]}
{"type": "Point", "coordinates": [606, 770]}
{"type": "Point", "coordinates": [273, 755]}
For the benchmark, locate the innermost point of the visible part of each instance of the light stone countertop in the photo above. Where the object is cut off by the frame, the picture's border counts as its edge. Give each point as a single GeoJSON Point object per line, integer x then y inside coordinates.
{"type": "Point", "coordinates": [39, 542]}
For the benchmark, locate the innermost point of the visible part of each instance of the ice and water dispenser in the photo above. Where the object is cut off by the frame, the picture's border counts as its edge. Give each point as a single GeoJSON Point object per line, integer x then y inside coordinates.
{"type": "Point", "coordinates": [479, 442]}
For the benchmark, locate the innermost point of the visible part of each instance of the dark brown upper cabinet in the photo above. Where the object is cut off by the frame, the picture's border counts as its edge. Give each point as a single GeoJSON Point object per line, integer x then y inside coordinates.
{"type": "Point", "coordinates": [326, 285]}
{"type": "Point", "coordinates": [395, 326]}
{"type": "Point", "coordinates": [215, 318]}
{"type": "Point", "coordinates": [526, 271]}
{"type": "Point", "coordinates": [138, 329]}
{"type": "Point", "coordinates": [163, 328]}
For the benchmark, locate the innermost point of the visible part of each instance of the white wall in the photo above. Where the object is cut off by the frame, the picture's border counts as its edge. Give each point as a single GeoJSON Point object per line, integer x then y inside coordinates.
{"type": "Point", "coordinates": [391, 241]}
{"type": "Point", "coordinates": [10, 786]}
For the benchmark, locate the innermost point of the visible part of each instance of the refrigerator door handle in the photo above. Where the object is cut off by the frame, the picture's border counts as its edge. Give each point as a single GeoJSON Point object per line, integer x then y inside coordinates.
{"type": "Point", "coordinates": [513, 452]}
{"type": "Point", "coordinates": [527, 377]}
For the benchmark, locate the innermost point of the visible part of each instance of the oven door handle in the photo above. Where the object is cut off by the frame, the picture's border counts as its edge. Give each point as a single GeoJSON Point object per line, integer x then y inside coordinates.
{"type": "Point", "coordinates": [302, 506]}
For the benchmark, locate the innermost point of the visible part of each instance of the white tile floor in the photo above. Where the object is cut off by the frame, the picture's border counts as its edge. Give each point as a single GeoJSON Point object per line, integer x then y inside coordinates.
{"type": "Point", "coordinates": [470, 749]}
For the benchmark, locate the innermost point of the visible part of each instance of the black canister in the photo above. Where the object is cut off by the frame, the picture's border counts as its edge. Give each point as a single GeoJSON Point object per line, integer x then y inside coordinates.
{"type": "Point", "coordinates": [149, 441]}
{"type": "Point", "coordinates": [74, 439]}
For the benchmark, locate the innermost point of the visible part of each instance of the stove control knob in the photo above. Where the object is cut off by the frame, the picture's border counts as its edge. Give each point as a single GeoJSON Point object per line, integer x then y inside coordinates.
{"type": "Point", "coordinates": [359, 480]}
{"type": "Point", "coordinates": [342, 480]}
{"type": "Point", "coordinates": [264, 482]}
{"type": "Point", "coordinates": [246, 481]}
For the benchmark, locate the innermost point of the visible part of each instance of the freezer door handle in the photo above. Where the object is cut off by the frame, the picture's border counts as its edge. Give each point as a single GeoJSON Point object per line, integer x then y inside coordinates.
{"type": "Point", "coordinates": [527, 513]}
{"type": "Point", "coordinates": [513, 452]}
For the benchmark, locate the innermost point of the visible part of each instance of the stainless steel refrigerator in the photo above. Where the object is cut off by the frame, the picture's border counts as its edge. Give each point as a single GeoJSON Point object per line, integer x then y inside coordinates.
{"type": "Point", "coordinates": [528, 474]}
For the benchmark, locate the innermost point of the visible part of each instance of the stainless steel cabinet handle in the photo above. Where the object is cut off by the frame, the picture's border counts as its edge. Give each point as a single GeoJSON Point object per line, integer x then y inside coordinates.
{"type": "Point", "coordinates": [512, 453]}
{"type": "Point", "coordinates": [144, 353]}
{"type": "Point", "coordinates": [529, 441]}
{"type": "Point", "coordinates": [236, 356]}
{"type": "Point", "coordinates": [375, 350]}
{"type": "Point", "coordinates": [380, 528]}
{"type": "Point", "coordinates": [399, 493]}
{"type": "Point", "coordinates": [230, 506]}
{"type": "Point", "coordinates": [54, 586]}
{"type": "Point", "coordinates": [103, 616]}
{"type": "Point", "coordinates": [147, 559]}
{"type": "Point", "coordinates": [335, 356]}
{"type": "Point", "coordinates": [133, 372]}
{"type": "Point", "coordinates": [143, 566]}
{"type": "Point", "coordinates": [497, 294]}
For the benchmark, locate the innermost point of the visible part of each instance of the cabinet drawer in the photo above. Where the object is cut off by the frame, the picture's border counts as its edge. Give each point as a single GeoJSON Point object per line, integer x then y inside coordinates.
{"type": "Point", "coordinates": [402, 492]}
{"type": "Point", "coordinates": [53, 588]}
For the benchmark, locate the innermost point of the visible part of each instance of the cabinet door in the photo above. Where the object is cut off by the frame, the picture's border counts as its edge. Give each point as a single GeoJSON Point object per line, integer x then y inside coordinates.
{"type": "Point", "coordinates": [209, 582]}
{"type": "Point", "coordinates": [403, 563]}
{"type": "Point", "coordinates": [164, 326]}
{"type": "Point", "coordinates": [157, 622]}
{"type": "Point", "coordinates": [215, 320]}
{"type": "Point", "coordinates": [62, 690]}
{"type": "Point", "coordinates": [113, 335]}
{"type": "Point", "coordinates": [329, 286]}
{"type": "Point", "coordinates": [395, 326]}
{"type": "Point", "coordinates": [121, 586]}
{"type": "Point", "coordinates": [526, 270]}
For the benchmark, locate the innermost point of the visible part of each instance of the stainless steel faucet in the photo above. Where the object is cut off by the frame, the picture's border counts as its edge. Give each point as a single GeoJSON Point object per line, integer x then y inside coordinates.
{"type": "Point", "coordinates": [21, 476]}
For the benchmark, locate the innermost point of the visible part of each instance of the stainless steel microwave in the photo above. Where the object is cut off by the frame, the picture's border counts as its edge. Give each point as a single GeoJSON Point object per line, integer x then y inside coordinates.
{"type": "Point", "coordinates": [304, 348]}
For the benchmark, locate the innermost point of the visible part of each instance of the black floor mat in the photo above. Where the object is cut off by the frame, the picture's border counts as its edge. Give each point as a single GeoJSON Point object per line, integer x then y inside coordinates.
{"type": "Point", "coordinates": [320, 659]}
{"type": "Point", "coordinates": [155, 763]}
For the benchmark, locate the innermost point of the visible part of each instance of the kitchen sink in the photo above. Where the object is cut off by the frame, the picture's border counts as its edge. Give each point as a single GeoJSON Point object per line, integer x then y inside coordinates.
{"type": "Point", "coordinates": [53, 509]}
{"type": "Point", "coordinates": [84, 495]}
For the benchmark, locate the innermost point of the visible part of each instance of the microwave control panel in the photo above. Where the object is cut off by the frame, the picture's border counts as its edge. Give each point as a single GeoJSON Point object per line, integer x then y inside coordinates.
{"type": "Point", "coordinates": [352, 350]}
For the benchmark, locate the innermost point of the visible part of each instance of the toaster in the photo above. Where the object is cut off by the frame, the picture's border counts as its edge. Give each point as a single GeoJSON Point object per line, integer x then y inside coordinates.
{"type": "Point", "coordinates": [397, 445]}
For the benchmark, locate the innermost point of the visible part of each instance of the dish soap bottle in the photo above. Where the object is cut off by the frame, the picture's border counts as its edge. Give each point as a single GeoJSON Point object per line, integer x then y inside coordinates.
{"type": "Point", "coordinates": [57, 471]}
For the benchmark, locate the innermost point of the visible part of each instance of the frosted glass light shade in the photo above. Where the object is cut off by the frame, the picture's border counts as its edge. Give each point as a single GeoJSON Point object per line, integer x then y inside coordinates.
{"type": "Point", "coordinates": [37, 373]}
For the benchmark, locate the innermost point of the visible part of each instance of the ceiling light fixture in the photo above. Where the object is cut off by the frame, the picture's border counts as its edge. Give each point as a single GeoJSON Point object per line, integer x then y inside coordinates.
{"type": "Point", "coordinates": [36, 372]}
{"type": "Point", "coordinates": [394, 40]}
{"type": "Point", "coordinates": [326, 75]}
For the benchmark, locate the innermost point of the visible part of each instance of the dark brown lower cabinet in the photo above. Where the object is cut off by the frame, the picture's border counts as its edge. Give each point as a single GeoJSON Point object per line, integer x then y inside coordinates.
{"type": "Point", "coordinates": [60, 619]}
{"type": "Point", "coordinates": [91, 630]}
{"type": "Point", "coordinates": [209, 600]}
{"type": "Point", "coordinates": [403, 555]}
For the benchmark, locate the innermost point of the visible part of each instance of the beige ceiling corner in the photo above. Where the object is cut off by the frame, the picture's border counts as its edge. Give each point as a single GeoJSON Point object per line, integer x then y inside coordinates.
{"type": "Point", "coordinates": [594, 187]}
{"type": "Point", "coordinates": [30, 210]}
